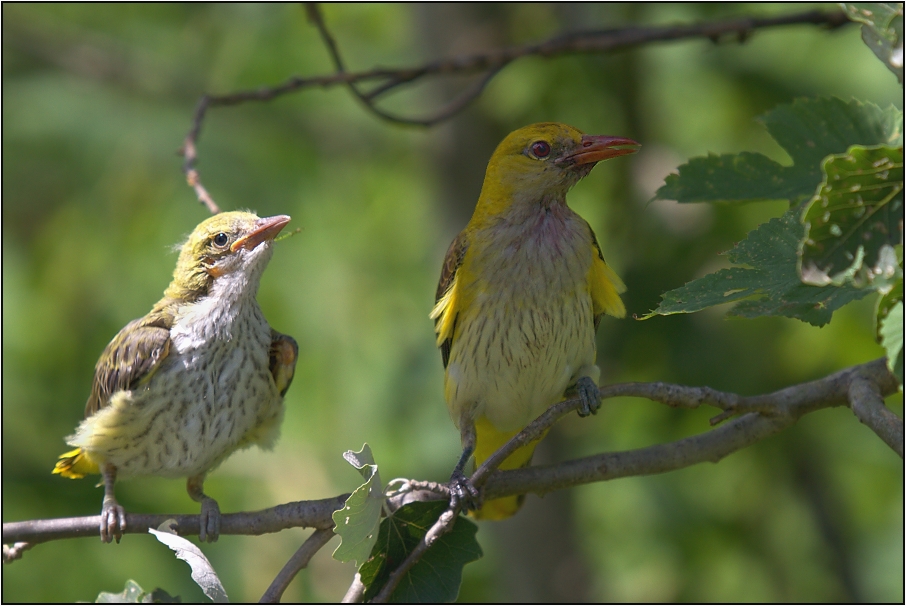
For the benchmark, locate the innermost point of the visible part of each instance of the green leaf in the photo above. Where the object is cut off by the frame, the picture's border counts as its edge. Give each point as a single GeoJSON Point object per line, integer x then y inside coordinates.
{"type": "Point", "coordinates": [357, 522]}
{"type": "Point", "coordinates": [768, 286]}
{"type": "Point", "coordinates": [854, 220]}
{"type": "Point", "coordinates": [892, 340]}
{"type": "Point", "coordinates": [134, 594]}
{"type": "Point", "coordinates": [436, 577]}
{"type": "Point", "coordinates": [882, 30]}
{"type": "Point", "coordinates": [886, 303]}
{"type": "Point", "coordinates": [809, 130]}
{"type": "Point", "coordinates": [889, 327]}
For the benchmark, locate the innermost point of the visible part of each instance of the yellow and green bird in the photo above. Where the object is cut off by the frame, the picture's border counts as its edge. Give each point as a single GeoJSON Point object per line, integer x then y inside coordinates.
{"type": "Point", "coordinates": [200, 376]}
{"type": "Point", "coordinates": [521, 293]}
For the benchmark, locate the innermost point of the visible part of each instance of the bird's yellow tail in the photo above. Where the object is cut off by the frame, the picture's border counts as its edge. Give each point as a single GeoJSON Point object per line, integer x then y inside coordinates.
{"type": "Point", "coordinates": [75, 464]}
{"type": "Point", "coordinates": [488, 441]}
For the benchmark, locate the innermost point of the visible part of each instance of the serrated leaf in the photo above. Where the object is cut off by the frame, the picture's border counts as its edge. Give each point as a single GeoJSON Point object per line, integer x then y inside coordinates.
{"type": "Point", "coordinates": [202, 572]}
{"type": "Point", "coordinates": [768, 286]}
{"type": "Point", "coordinates": [436, 577]}
{"type": "Point", "coordinates": [357, 522]}
{"type": "Point", "coordinates": [892, 340]}
{"type": "Point", "coordinates": [808, 130]}
{"type": "Point", "coordinates": [132, 594]}
{"type": "Point", "coordinates": [882, 30]}
{"type": "Point", "coordinates": [854, 220]}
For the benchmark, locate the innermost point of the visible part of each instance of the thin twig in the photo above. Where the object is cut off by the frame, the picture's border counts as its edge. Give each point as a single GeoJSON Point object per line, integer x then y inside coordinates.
{"type": "Point", "coordinates": [868, 405]}
{"type": "Point", "coordinates": [489, 63]}
{"type": "Point", "coordinates": [297, 562]}
{"type": "Point", "coordinates": [356, 591]}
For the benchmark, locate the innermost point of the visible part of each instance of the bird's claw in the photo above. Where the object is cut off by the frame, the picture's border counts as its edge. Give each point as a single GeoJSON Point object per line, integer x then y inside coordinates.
{"type": "Point", "coordinates": [113, 521]}
{"type": "Point", "coordinates": [590, 394]}
{"type": "Point", "coordinates": [209, 520]}
{"type": "Point", "coordinates": [463, 493]}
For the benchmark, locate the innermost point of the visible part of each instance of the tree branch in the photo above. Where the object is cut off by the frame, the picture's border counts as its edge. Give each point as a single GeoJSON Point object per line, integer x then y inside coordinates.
{"type": "Point", "coordinates": [300, 560]}
{"type": "Point", "coordinates": [356, 591]}
{"type": "Point", "coordinates": [765, 415]}
{"type": "Point", "coordinates": [489, 64]}
{"type": "Point", "coordinates": [298, 514]}
{"type": "Point", "coordinates": [867, 404]}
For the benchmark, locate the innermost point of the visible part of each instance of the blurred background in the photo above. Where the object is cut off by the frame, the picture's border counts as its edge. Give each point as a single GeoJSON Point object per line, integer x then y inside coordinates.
{"type": "Point", "coordinates": [98, 98]}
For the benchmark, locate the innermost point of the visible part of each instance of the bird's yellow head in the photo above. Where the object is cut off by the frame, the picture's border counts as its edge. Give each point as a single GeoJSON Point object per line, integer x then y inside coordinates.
{"type": "Point", "coordinates": [540, 162]}
{"type": "Point", "coordinates": [224, 245]}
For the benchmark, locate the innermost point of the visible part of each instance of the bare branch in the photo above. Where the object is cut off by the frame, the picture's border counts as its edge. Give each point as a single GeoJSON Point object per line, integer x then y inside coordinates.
{"type": "Point", "coordinates": [298, 514]}
{"type": "Point", "coordinates": [868, 405]}
{"type": "Point", "coordinates": [300, 560]}
{"type": "Point", "coordinates": [786, 406]}
{"type": "Point", "coordinates": [765, 415]}
{"type": "Point", "coordinates": [356, 591]}
{"type": "Point", "coordinates": [489, 64]}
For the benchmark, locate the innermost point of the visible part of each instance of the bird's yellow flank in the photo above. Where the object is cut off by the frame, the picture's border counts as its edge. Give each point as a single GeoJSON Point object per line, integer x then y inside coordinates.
{"type": "Point", "coordinates": [521, 294]}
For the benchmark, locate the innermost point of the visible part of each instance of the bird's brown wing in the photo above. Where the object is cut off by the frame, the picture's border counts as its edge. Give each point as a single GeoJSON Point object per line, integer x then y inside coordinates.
{"type": "Point", "coordinates": [452, 261]}
{"type": "Point", "coordinates": [129, 359]}
{"type": "Point", "coordinates": [283, 355]}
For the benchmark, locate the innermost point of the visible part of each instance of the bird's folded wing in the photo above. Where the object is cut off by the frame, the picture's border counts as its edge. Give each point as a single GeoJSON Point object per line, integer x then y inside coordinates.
{"type": "Point", "coordinates": [605, 286]}
{"type": "Point", "coordinates": [283, 355]}
{"type": "Point", "coordinates": [445, 311]}
{"type": "Point", "coordinates": [128, 360]}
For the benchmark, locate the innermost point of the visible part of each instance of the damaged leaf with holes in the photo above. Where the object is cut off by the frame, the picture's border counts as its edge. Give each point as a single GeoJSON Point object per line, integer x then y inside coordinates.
{"type": "Point", "coordinates": [357, 522]}
{"type": "Point", "coordinates": [855, 221]}
{"type": "Point", "coordinates": [436, 577]}
{"type": "Point", "coordinates": [882, 30]}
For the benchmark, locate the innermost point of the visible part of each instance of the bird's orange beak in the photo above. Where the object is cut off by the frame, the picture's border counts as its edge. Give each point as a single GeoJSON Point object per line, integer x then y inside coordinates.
{"type": "Point", "coordinates": [266, 228]}
{"type": "Point", "coordinates": [595, 148]}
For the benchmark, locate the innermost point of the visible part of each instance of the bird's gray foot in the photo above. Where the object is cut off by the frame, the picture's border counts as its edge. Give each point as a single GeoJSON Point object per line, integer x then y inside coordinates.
{"type": "Point", "coordinates": [209, 520]}
{"type": "Point", "coordinates": [462, 492]}
{"type": "Point", "coordinates": [113, 516]}
{"type": "Point", "coordinates": [588, 391]}
{"type": "Point", "coordinates": [113, 520]}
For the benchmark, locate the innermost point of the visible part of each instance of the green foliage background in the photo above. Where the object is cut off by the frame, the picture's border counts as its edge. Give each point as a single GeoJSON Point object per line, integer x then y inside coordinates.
{"type": "Point", "coordinates": [97, 99]}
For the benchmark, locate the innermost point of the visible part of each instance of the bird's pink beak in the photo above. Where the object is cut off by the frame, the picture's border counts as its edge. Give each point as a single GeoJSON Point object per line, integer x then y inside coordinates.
{"type": "Point", "coordinates": [266, 228]}
{"type": "Point", "coordinates": [595, 148]}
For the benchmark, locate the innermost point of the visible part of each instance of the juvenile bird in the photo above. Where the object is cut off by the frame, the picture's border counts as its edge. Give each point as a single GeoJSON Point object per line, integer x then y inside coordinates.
{"type": "Point", "coordinates": [521, 293]}
{"type": "Point", "coordinates": [200, 376]}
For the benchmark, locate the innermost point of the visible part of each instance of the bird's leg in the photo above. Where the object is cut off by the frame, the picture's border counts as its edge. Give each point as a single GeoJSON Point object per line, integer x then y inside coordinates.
{"type": "Point", "coordinates": [113, 516]}
{"type": "Point", "coordinates": [209, 520]}
{"type": "Point", "coordinates": [588, 391]}
{"type": "Point", "coordinates": [462, 491]}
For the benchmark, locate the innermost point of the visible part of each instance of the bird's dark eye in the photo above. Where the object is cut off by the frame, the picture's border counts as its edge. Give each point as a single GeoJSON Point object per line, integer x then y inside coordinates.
{"type": "Point", "coordinates": [220, 240]}
{"type": "Point", "coordinates": [541, 149]}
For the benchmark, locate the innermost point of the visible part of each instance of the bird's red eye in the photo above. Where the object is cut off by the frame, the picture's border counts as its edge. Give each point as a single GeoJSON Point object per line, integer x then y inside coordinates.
{"type": "Point", "coordinates": [541, 149]}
